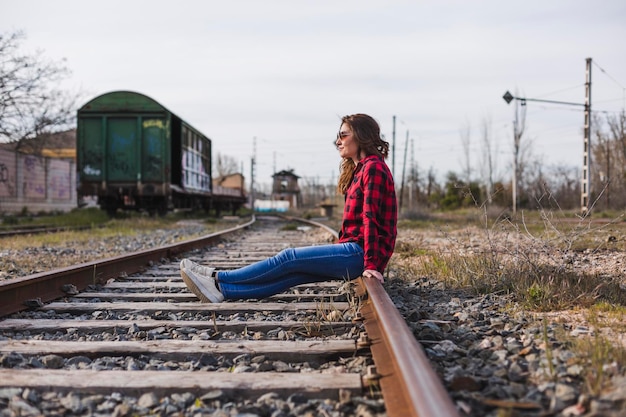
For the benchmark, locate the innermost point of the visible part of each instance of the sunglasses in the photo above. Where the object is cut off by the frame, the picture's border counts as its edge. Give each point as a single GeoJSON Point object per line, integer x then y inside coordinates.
{"type": "Point", "coordinates": [343, 135]}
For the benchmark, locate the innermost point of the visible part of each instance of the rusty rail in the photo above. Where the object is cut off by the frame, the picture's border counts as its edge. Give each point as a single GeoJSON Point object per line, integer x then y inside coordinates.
{"type": "Point", "coordinates": [33, 290]}
{"type": "Point", "coordinates": [408, 383]}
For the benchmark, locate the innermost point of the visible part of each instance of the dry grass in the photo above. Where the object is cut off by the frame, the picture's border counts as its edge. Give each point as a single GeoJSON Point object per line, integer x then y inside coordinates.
{"type": "Point", "coordinates": [547, 263]}
{"type": "Point", "coordinates": [96, 224]}
{"type": "Point", "coordinates": [553, 265]}
{"type": "Point", "coordinates": [29, 254]}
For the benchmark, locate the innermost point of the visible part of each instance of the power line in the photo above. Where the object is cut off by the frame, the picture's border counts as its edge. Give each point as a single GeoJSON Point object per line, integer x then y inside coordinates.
{"type": "Point", "coordinates": [615, 81]}
{"type": "Point", "coordinates": [561, 90]}
{"type": "Point", "coordinates": [608, 75]}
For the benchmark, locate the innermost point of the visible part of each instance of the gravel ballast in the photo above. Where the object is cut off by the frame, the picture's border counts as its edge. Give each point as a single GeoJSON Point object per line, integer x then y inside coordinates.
{"type": "Point", "coordinates": [494, 357]}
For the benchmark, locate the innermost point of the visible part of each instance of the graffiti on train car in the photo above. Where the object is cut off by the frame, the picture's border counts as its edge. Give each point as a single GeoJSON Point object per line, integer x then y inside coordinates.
{"type": "Point", "coordinates": [154, 152]}
{"type": "Point", "coordinates": [195, 173]}
{"type": "Point", "coordinates": [153, 123]}
{"type": "Point", "coordinates": [137, 155]}
{"type": "Point", "coordinates": [118, 158]}
{"type": "Point", "coordinates": [89, 170]}
{"type": "Point", "coordinates": [93, 162]}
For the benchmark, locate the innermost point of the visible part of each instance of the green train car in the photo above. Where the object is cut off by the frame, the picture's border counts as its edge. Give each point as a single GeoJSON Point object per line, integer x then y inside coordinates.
{"type": "Point", "coordinates": [133, 153]}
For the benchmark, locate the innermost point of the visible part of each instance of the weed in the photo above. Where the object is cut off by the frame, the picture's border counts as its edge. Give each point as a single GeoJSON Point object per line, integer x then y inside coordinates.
{"type": "Point", "coordinates": [545, 261]}
{"type": "Point", "coordinates": [548, 349]}
{"type": "Point", "coordinates": [536, 293]}
{"type": "Point", "coordinates": [10, 220]}
{"type": "Point", "coordinates": [327, 312]}
{"type": "Point", "coordinates": [290, 227]}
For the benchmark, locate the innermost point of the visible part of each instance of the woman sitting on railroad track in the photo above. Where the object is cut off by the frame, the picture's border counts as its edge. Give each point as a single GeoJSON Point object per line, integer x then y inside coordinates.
{"type": "Point", "coordinates": [366, 240]}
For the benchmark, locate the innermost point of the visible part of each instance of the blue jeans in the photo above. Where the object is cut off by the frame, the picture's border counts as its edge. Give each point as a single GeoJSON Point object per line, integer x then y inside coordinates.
{"type": "Point", "coordinates": [291, 267]}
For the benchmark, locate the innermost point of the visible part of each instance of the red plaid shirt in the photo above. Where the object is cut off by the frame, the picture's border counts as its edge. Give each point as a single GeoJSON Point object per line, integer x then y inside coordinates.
{"type": "Point", "coordinates": [370, 213]}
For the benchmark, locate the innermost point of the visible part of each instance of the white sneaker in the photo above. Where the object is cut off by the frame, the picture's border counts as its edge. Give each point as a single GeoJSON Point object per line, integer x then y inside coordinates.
{"type": "Point", "coordinates": [202, 286]}
{"type": "Point", "coordinates": [196, 268]}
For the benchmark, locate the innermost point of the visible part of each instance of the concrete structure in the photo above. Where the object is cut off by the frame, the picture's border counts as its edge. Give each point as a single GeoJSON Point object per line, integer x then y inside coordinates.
{"type": "Point", "coordinates": [285, 188]}
{"type": "Point", "coordinates": [36, 183]}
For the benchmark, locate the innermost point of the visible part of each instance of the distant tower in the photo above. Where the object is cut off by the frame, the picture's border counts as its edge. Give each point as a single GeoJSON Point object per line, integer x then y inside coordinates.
{"type": "Point", "coordinates": [286, 188]}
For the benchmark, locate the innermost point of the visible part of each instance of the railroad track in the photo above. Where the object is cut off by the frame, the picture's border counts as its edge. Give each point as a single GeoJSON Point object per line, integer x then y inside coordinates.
{"type": "Point", "coordinates": [125, 336]}
{"type": "Point", "coordinates": [39, 229]}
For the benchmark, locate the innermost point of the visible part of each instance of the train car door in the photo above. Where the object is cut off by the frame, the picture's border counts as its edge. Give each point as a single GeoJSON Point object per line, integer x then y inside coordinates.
{"type": "Point", "coordinates": [153, 155]}
{"type": "Point", "coordinates": [122, 153]}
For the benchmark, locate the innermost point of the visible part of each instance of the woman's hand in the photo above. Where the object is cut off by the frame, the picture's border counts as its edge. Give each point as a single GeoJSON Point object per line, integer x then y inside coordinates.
{"type": "Point", "coordinates": [372, 273]}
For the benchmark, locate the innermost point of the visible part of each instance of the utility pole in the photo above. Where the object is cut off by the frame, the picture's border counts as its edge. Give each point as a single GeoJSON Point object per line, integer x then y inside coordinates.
{"type": "Point", "coordinates": [518, 131]}
{"type": "Point", "coordinates": [252, 169]}
{"type": "Point", "coordinates": [406, 148]}
{"type": "Point", "coordinates": [413, 175]}
{"type": "Point", "coordinates": [393, 149]}
{"type": "Point", "coordinates": [585, 186]}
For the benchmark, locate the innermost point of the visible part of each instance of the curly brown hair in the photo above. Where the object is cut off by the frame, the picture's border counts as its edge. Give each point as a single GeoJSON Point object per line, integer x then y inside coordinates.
{"type": "Point", "coordinates": [366, 132]}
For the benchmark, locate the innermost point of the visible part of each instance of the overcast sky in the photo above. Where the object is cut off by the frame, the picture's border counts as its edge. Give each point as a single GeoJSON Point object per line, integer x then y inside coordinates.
{"type": "Point", "coordinates": [284, 72]}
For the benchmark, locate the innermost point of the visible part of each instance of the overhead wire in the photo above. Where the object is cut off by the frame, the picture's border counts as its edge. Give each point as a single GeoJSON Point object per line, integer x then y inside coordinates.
{"type": "Point", "coordinates": [608, 75]}
{"type": "Point", "coordinates": [615, 81]}
{"type": "Point", "coordinates": [443, 148]}
{"type": "Point", "coordinates": [562, 90]}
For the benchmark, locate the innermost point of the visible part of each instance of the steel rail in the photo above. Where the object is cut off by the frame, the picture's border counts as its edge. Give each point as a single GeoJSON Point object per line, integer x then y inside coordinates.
{"type": "Point", "coordinates": [35, 230]}
{"type": "Point", "coordinates": [408, 382]}
{"type": "Point", "coordinates": [329, 229]}
{"type": "Point", "coordinates": [33, 290]}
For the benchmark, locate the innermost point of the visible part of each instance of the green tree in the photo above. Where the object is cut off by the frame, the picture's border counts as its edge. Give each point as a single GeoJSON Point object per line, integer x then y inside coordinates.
{"type": "Point", "coordinates": [458, 193]}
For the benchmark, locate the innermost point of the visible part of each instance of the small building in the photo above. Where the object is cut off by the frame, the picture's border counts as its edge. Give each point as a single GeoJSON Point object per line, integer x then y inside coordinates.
{"type": "Point", "coordinates": [230, 181]}
{"type": "Point", "coordinates": [61, 145]}
{"type": "Point", "coordinates": [285, 188]}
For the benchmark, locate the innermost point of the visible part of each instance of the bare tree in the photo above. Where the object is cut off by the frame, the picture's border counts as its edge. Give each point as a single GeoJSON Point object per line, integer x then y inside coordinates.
{"type": "Point", "coordinates": [602, 152]}
{"type": "Point", "coordinates": [554, 187]}
{"type": "Point", "coordinates": [609, 156]}
{"type": "Point", "coordinates": [414, 179]}
{"type": "Point", "coordinates": [465, 144]}
{"type": "Point", "coordinates": [431, 184]}
{"type": "Point", "coordinates": [617, 126]}
{"type": "Point", "coordinates": [488, 165]}
{"type": "Point", "coordinates": [528, 170]}
{"type": "Point", "coordinates": [31, 102]}
{"type": "Point", "coordinates": [225, 165]}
